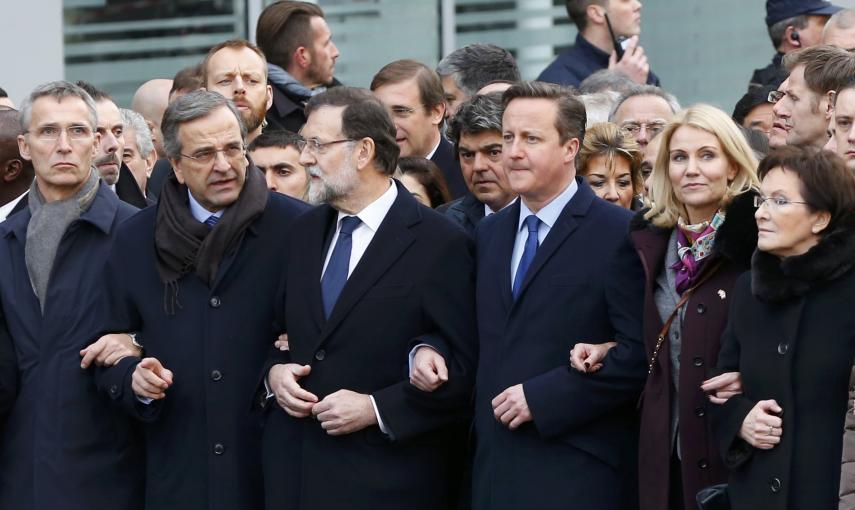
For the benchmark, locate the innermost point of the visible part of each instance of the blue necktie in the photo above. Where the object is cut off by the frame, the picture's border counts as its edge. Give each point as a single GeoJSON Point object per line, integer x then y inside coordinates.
{"type": "Point", "coordinates": [531, 223]}
{"type": "Point", "coordinates": [212, 221]}
{"type": "Point", "coordinates": [335, 275]}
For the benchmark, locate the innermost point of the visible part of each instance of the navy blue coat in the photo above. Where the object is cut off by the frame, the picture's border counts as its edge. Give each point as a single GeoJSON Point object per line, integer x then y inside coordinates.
{"type": "Point", "coordinates": [64, 445]}
{"type": "Point", "coordinates": [445, 158]}
{"type": "Point", "coordinates": [202, 441]}
{"type": "Point", "coordinates": [466, 211]}
{"type": "Point", "coordinates": [414, 284]}
{"type": "Point", "coordinates": [579, 61]}
{"type": "Point", "coordinates": [584, 285]}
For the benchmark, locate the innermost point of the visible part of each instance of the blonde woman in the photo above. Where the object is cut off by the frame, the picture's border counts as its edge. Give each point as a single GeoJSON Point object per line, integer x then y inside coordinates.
{"type": "Point", "coordinates": [610, 160]}
{"type": "Point", "coordinates": [694, 242]}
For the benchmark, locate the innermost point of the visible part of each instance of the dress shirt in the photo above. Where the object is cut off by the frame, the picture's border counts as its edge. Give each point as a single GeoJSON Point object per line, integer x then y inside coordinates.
{"type": "Point", "coordinates": [435, 147]}
{"type": "Point", "coordinates": [548, 216]}
{"type": "Point", "coordinates": [199, 212]}
{"type": "Point", "coordinates": [6, 209]}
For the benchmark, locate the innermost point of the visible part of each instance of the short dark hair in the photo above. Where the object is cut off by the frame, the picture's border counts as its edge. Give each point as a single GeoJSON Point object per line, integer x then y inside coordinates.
{"type": "Point", "coordinates": [826, 183]}
{"type": "Point", "coordinates": [428, 175]}
{"type": "Point", "coordinates": [189, 107]}
{"type": "Point", "coordinates": [476, 115]}
{"type": "Point", "coordinates": [3, 93]}
{"type": "Point", "coordinates": [826, 67]}
{"type": "Point", "coordinates": [476, 65]}
{"type": "Point", "coordinates": [283, 27]}
{"type": "Point", "coordinates": [97, 94]}
{"type": "Point", "coordinates": [577, 10]}
{"type": "Point", "coordinates": [570, 117]}
{"type": "Point", "coordinates": [430, 86]}
{"type": "Point", "coordinates": [363, 117]}
{"type": "Point", "coordinates": [281, 138]}
{"type": "Point", "coordinates": [777, 30]}
{"type": "Point", "coordinates": [752, 99]}
{"type": "Point", "coordinates": [234, 44]}
{"type": "Point", "coordinates": [187, 80]}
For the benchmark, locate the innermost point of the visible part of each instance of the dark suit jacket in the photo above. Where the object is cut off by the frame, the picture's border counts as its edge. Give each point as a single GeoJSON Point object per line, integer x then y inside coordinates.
{"type": "Point", "coordinates": [414, 284]}
{"type": "Point", "coordinates": [584, 285]}
{"type": "Point", "coordinates": [128, 190]}
{"type": "Point", "coordinates": [446, 160]}
{"type": "Point", "coordinates": [161, 171]}
{"type": "Point", "coordinates": [202, 443]}
{"type": "Point", "coordinates": [466, 212]}
{"type": "Point", "coordinates": [64, 445]}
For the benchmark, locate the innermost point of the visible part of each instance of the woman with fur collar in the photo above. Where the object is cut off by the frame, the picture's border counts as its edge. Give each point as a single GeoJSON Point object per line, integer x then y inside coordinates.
{"type": "Point", "coordinates": [694, 243]}
{"type": "Point", "coordinates": [791, 335]}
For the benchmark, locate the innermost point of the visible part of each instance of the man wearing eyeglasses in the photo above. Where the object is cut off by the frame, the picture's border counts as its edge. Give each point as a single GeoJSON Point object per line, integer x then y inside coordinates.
{"type": "Point", "coordinates": [643, 112]}
{"type": "Point", "coordinates": [372, 276]}
{"type": "Point", "coordinates": [64, 445]}
{"type": "Point", "coordinates": [206, 261]}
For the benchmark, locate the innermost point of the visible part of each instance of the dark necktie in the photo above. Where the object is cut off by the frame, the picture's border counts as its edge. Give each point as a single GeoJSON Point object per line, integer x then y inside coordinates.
{"type": "Point", "coordinates": [335, 275]}
{"type": "Point", "coordinates": [212, 221]}
{"type": "Point", "coordinates": [531, 223]}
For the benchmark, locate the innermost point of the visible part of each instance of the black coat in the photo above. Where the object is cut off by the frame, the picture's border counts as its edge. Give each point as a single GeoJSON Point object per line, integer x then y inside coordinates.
{"type": "Point", "coordinates": [201, 441]}
{"type": "Point", "coordinates": [287, 112]}
{"type": "Point", "coordinates": [770, 76]}
{"type": "Point", "coordinates": [467, 212]}
{"type": "Point", "coordinates": [161, 171]}
{"type": "Point", "coordinates": [585, 284]}
{"type": "Point", "coordinates": [129, 191]}
{"type": "Point", "coordinates": [414, 284]}
{"type": "Point", "coordinates": [64, 445]}
{"type": "Point", "coordinates": [445, 158]}
{"type": "Point", "coordinates": [791, 333]}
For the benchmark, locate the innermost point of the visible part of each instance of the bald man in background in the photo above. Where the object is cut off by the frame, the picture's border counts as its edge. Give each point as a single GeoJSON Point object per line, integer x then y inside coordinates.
{"type": "Point", "coordinates": [150, 101]}
{"type": "Point", "coordinates": [16, 173]}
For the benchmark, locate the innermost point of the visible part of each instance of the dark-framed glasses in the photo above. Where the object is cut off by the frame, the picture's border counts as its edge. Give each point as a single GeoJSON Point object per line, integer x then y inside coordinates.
{"type": "Point", "coordinates": [774, 202]}
{"type": "Point", "coordinates": [316, 146]}
{"type": "Point", "coordinates": [775, 96]}
{"type": "Point", "coordinates": [206, 156]}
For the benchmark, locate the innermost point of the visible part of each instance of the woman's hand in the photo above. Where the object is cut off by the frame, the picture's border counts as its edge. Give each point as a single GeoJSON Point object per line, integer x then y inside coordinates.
{"type": "Point", "coordinates": [761, 428]}
{"type": "Point", "coordinates": [722, 387]}
{"type": "Point", "coordinates": [588, 357]}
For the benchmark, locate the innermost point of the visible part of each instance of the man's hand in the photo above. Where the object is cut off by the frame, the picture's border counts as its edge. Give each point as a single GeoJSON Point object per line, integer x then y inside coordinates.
{"type": "Point", "coordinates": [281, 343]}
{"type": "Point", "coordinates": [633, 64]}
{"type": "Point", "coordinates": [511, 408]}
{"type": "Point", "coordinates": [150, 379]}
{"type": "Point", "coordinates": [429, 370]}
{"type": "Point", "coordinates": [588, 357]}
{"type": "Point", "coordinates": [282, 381]}
{"type": "Point", "coordinates": [108, 350]}
{"type": "Point", "coordinates": [761, 428]}
{"type": "Point", "coordinates": [345, 412]}
{"type": "Point", "coordinates": [722, 387]}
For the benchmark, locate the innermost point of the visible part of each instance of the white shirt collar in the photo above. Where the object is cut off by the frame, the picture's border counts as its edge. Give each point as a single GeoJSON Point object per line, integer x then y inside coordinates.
{"type": "Point", "coordinates": [435, 147]}
{"type": "Point", "coordinates": [550, 212]}
{"type": "Point", "coordinates": [372, 215]}
{"type": "Point", "coordinates": [199, 212]}
{"type": "Point", "coordinates": [7, 208]}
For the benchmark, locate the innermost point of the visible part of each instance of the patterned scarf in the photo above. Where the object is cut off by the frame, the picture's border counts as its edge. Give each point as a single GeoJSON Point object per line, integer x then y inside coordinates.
{"type": "Point", "coordinates": [694, 245]}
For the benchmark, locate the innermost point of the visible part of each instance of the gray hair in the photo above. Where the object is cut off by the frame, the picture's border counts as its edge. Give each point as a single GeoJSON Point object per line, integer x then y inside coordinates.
{"type": "Point", "coordinates": [142, 133]}
{"type": "Point", "coordinates": [476, 115]}
{"type": "Point", "coordinates": [646, 90]}
{"type": "Point", "coordinates": [189, 107]}
{"type": "Point", "coordinates": [777, 30]}
{"type": "Point", "coordinates": [598, 106]}
{"type": "Point", "coordinates": [58, 90]}
{"type": "Point", "coordinates": [476, 65]}
{"type": "Point", "coordinates": [606, 80]}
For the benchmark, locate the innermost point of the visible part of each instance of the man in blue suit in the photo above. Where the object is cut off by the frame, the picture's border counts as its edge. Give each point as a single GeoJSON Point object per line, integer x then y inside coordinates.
{"type": "Point", "coordinates": [553, 269]}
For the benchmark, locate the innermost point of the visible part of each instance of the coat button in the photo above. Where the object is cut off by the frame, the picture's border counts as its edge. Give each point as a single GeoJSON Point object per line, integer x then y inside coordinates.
{"type": "Point", "coordinates": [783, 347]}
{"type": "Point", "coordinates": [698, 361]}
{"type": "Point", "coordinates": [320, 355]}
{"type": "Point", "coordinates": [775, 484]}
{"type": "Point", "coordinates": [215, 302]}
{"type": "Point", "coordinates": [219, 449]}
{"type": "Point", "coordinates": [700, 412]}
{"type": "Point", "coordinates": [114, 390]}
{"type": "Point", "coordinates": [703, 464]}
{"type": "Point", "coordinates": [216, 375]}
{"type": "Point", "coordinates": [701, 308]}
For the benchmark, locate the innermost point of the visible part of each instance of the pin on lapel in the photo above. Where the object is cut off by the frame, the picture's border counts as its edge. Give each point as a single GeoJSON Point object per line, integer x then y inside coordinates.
{"type": "Point", "coordinates": [722, 294]}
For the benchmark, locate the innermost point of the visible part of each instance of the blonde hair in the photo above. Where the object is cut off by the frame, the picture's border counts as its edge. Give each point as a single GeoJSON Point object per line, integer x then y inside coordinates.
{"type": "Point", "coordinates": [667, 208]}
{"type": "Point", "coordinates": [609, 140]}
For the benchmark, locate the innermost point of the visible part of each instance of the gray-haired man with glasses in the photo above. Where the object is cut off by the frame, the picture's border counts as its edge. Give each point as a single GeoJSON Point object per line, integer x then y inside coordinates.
{"type": "Point", "coordinates": [207, 262]}
{"type": "Point", "coordinates": [643, 112]}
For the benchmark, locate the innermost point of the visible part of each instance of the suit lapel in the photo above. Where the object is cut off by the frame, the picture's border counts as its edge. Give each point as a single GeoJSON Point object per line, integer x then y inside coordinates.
{"type": "Point", "coordinates": [317, 244]}
{"type": "Point", "coordinates": [473, 209]}
{"type": "Point", "coordinates": [506, 232]}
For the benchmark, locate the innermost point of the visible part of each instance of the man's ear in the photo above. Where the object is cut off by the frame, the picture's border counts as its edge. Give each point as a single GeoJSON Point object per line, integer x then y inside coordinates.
{"type": "Point", "coordinates": [437, 113]}
{"type": "Point", "coordinates": [178, 173]}
{"type": "Point", "coordinates": [829, 108]}
{"type": "Point", "coordinates": [365, 155]}
{"type": "Point", "coordinates": [596, 14]}
{"type": "Point", "coordinates": [571, 149]}
{"type": "Point", "coordinates": [302, 57]}
{"type": "Point", "coordinates": [12, 169]}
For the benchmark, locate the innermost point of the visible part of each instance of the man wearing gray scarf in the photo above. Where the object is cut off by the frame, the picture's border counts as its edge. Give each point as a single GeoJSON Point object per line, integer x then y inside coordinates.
{"type": "Point", "coordinates": [64, 444]}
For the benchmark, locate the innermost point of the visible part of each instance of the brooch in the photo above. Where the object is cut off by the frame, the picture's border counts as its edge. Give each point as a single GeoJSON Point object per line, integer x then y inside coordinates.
{"type": "Point", "coordinates": [722, 294]}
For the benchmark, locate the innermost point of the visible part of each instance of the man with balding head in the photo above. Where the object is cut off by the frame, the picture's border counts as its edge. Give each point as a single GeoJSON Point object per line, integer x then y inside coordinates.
{"type": "Point", "coordinates": [16, 173]}
{"type": "Point", "coordinates": [840, 30]}
{"type": "Point", "coordinates": [150, 101]}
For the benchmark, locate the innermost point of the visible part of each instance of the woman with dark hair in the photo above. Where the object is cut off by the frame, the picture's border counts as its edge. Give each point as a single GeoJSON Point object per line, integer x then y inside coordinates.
{"type": "Point", "coordinates": [791, 335]}
{"type": "Point", "coordinates": [424, 180]}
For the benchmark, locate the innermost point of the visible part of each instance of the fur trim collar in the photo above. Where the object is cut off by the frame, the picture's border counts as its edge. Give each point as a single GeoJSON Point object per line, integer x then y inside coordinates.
{"type": "Point", "coordinates": [774, 280]}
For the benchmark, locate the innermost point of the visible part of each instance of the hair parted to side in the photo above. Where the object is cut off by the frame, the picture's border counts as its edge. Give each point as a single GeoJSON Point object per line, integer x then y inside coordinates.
{"type": "Point", "coordinates": [363, 117]}
{"type": "Point", "coordinates": [826, 183]}
{"type": "Point", "coordinates": [826, 67]}
{"type": "Point", "coordinates": [281, 138]}
{"type": "Point", "coordinates": [645, 90]}
{"type": "Point", "coordinates": [609, 140]}
{"type": "Point", "coordinates": [577, 11]}
{"type": "Point", "coordinates": [283, 27]}
{"type": "Point", "coordinates": [189, 107]}
{"type": "Point", "coordinates": [570, 116]}
{"type": "Point", "coordinates": [233, 44]}
{"type": "Point", "coordinates": [142, 133]}
{"type": "Point", "coordinates": [666, 207]}
{"type": "Point", "coordinates": [475, 65]}
{"type": "Point", "coordinates": [57, 90]}
{"type": "Point", "coordinates": [430, 86]}
{"type": "Point", "coordinates": [475, 116]}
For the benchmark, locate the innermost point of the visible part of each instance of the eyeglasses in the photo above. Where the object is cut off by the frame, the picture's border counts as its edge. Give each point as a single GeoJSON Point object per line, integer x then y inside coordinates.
{"type": "Point", "coordinates": [315, 146]}
{"type": "Point", "coordinates": [633, 128]}
{"type": "Point", "coordinates": [206, 156]}
{"type": "Point", "coordinates": [774, 202]}
{"type": "Point", "coordinates": [775, 96]}
{"type": "Point", "coordinates": [52, 133]}
{"type": "Point", "coordinates": [401, 112]}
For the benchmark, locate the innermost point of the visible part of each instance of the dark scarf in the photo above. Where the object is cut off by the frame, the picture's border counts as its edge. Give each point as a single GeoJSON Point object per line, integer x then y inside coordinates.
{"type": "Point", "coordinates": [774, 279]}
{"type": "Point", "coordinates": [183, 244]}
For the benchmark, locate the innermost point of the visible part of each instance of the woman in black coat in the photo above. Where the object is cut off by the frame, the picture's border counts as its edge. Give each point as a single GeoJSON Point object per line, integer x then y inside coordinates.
{"type": "Point", "coordinates": [791, 334]}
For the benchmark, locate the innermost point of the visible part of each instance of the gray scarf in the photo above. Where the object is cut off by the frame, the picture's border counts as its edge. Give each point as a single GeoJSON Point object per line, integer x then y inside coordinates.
{"type": "Point", "coordinates": [48, 224]}
{"type": "Point", "coordinates": [289, 85]}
